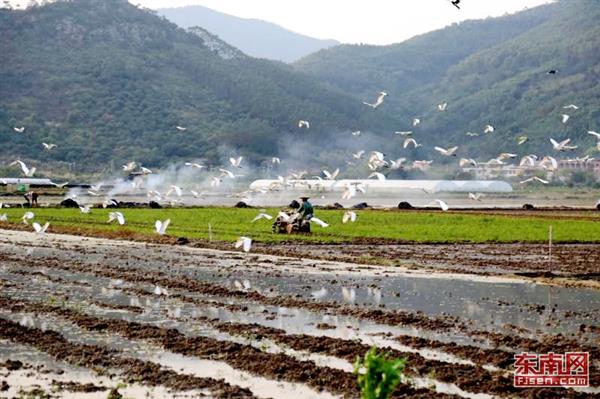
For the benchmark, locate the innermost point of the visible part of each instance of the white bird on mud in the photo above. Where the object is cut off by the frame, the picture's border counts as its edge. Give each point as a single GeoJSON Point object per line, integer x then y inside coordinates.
{"type": "Point", "coordinates": [442, 205]}
{"type": "Point", "coordinates": [378, 176]}
{"type": "Point", "coordinates": [448, 152]}
{"type": "Point", "coordinates": [489, 129]}
{"type": "Point", "coordinates": [245, 243]}
{"type": "Point", "coordinates": [565, 118]}
{"type": "Point", "coordinates": [276, 161]}
{"type": "Point", "coordinates": [333, 175]}
{"type": "Point", "coordinates": [378, 102]}
{"type": "Point", "coordinates": [563, 145]}
{"type": "Point", "coordinates": [161, 227]}
{"type": "Point", "coordinates": [181, 128]}
{"type": "Point", "coordinates": [442, 107]}
{"type": "Point", "coordinates": [522, 140]}
{"type": "Point", "coordinates": [349, 216]}
{"type": "Point", "coordinates": [358, 155]}
{"type": "Point", "coordinates": [319, 222]}
{"type": "Point", "coordinates": [305, 124]}
{"type": "Point", "coordinates": [84, 209]}
{"type": "Point", "coordinates": [26, 171]}
{"type": "Point", "coordinates": [48, 146]}
{"type": "Point", "coordinates": [118, 216]}
{"type": "Point", "coordinates": [27, 321]}
{"type": "Point", "coordinates": [236, 162]}
{"type": "Point", "coordinates": [348, 295]}
{"type": "Point", "coordinates": [262, 215]}
{"type": "Point", "coordinates": [534, 179]}
{"type": "Point", "coordinates": [356, 133]}
{"type": "Point", "coordinates": [410, 141]}
{"type": "Point", "coordinates": [374, 293]}
{"type": "Point", "coordinates": [160, 291]}
{"type": "Point", "coordinates": [475, 196]}
{"type": "Point", "coordinates": [416, 122]}
{"type": "Point", "coordinates": [27, 216]}
{"type": "Point", "coordinates": [39, 229]}
{"type": "Point", "coordinates": [571, 106]}
{"type": "Point", "coordinates": [19, 129]}
{"type": "Point", "coordinates": [242, 286]}
{"type": "Point", "coordinates": [320, 294]}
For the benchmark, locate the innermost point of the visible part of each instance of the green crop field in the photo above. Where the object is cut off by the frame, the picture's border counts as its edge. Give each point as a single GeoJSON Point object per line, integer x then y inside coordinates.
{"type": "Point", "coordinates": [226, 224]}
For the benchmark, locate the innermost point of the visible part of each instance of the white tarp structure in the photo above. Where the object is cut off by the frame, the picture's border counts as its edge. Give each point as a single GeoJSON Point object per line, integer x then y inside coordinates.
{"type": "Point", "coordinates": [387, 186]}
{"type": "Point", "coordinates": [25, 180]}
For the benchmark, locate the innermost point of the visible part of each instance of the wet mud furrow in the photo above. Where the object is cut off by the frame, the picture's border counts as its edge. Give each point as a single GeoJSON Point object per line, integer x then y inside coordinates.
{"type": "Point", "coordinates": [468, 378]}
{"type": "Point", "coordinates": [413, 319]}
{"type": "Point", "coordinates": [297, 324]}
{"type": "Point", "coordinates": [243, 357]}
{"type": "Point", "coordinates": [105, 360]}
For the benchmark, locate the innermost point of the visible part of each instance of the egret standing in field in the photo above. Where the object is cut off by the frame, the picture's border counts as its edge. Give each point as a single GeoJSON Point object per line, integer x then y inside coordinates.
{"type": "Point", "coordinates": [349, 216]}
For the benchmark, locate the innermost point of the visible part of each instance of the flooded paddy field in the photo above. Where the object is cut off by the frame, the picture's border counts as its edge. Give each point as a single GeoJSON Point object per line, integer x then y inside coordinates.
{"type": "Point", "coordinates": [86, 317]}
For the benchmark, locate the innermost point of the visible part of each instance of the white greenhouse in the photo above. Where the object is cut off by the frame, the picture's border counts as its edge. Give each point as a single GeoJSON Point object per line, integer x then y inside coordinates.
{"type": "Point", "coordinates": [387, 186]}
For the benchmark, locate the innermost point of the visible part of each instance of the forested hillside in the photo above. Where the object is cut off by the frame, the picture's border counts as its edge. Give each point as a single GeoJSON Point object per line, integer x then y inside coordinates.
{"type": "Point", "coordinates": [108, 82]}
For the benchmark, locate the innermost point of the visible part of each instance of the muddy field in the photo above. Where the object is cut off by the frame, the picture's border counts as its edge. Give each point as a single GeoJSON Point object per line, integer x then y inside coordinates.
{"type": "Point", "coordinates": [96, 318]}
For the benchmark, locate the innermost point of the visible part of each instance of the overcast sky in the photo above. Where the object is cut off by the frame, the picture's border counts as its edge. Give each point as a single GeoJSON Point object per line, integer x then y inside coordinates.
{"type": "Point", "coordinates": [357, 21]}
{"type": "Point", "coordinates": [354, 21]}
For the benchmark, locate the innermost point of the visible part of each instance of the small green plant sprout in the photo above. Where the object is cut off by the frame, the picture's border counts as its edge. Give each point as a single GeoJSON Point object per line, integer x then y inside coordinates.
{"type": "Point", "coordinates": [377, 375]}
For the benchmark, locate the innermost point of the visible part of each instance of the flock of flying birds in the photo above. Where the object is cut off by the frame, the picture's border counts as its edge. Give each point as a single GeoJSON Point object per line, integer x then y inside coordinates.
{"type": "Point", "coordinates": [376, 162]}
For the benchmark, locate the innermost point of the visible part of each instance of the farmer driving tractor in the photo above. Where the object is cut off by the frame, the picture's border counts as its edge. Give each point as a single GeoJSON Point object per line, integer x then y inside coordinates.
{"type": "Point", "coordinates": [296, 219]}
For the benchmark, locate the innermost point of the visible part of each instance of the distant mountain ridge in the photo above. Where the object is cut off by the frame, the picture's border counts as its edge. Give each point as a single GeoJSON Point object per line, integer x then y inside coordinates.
{"type": "Point", "coordinates": [254, 37]}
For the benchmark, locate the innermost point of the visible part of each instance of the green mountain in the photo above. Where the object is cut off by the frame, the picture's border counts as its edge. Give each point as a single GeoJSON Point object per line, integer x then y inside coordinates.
{"type": "Point", "coordinates": [254, 37]}
{"type": "Point", "coordinates": [108, 83]}
{"type": "Point", "coordinates": [492, 71]}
